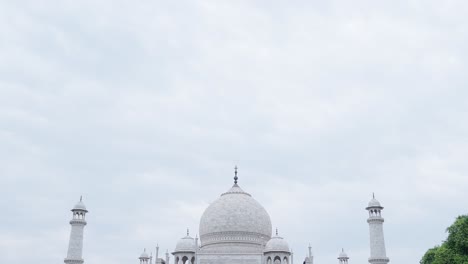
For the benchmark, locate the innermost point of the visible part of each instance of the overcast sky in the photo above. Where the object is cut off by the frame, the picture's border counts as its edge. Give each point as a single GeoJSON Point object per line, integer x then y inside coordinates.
{"type": "Point", "coordinates": [145, 107]}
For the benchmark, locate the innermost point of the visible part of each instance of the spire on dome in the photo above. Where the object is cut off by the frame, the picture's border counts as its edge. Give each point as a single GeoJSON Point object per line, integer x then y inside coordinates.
{"type": "Point", "coordinates": [81, 198]}
{"type": "Point", "coordinates": [188, 233]}
{"type": "Point", "coordinates": [235, 175]}
{"type": "Point", "coordinates": [276, 231]}
{"type": "Point", "coordinates": [373, 195]}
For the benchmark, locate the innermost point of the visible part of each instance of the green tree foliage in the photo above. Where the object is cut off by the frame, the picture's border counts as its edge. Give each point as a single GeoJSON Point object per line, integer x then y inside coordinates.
{"type": "Point", "coordinates": [430, 256]}
{"type": "Point", "coordinates": [454, 250]}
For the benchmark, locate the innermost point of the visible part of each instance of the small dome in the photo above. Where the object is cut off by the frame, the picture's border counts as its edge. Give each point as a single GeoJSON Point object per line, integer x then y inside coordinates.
{"type": "Point", "coordinates": [277, 244]}
{"type": "Point", "coordinates": [186, 244]}
{"type": "Point", "coordinates": [80, 206]}
{"type": "Point", "coordinates": [342, 254]}
{"type": "Point", "coordinates": [374, 203]}
{"type": "Point", "coordinates": [144, 255]}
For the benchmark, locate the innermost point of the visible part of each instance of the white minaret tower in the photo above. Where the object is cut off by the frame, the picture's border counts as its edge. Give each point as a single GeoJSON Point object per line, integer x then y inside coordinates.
{"type": "Point", "coordinates": [292, 256]}
{"type": "Point", "coordinates": [167, 256]}
{"type": "Point", "coordinates": [377, 241]}
{"type": "Point", "coordinates": [157, 254]}
{"type": "Point", "coordinates": [75, 247]}
{"type": "Point", "coordinates": [343, 258]}
{"type": "Point", "coordinates": [310, 258]}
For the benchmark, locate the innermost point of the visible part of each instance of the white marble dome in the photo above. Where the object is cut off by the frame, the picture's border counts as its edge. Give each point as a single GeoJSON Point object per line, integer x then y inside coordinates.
{"type": "Point", "coordinates": [80, 206]}
{"type": "Point", "coordinates": [144, 255]}
{"type": "Point", "coordinates": [186, 244]}
{"type": "Point", "coordinates": [342, 255]}
{"type": "Point", "coordinates": [277, 244]}
{"type": "Point", "coordinates": [235, 217]}
{"type": "Point", "coordinates": [374, 203]}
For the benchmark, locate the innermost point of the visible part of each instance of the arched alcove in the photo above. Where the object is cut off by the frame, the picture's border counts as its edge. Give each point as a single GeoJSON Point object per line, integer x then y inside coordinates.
{"type": "Point", "coordinates": [277, 260]}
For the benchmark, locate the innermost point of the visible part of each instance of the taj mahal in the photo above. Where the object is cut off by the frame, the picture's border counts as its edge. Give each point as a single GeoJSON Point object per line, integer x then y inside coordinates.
{"type": "Point", "coordinates": [234, 229]}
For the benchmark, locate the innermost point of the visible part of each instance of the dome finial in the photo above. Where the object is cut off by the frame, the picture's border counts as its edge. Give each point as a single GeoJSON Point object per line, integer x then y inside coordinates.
{"type": "Point", "coordinates": [373, 195]}
{"type": "Point", "coordinates": [188, 233]}
{"type": "Point", "coordinates": [235, 175]}
{"type": "Point", "coordinates": [276, 231]}
{"type": "Point", "coordinates": [81, 198]}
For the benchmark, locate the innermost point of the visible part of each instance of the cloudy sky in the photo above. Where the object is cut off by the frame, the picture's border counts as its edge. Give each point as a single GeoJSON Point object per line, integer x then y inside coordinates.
{"type": "Point", "coordinates": [145, 107]}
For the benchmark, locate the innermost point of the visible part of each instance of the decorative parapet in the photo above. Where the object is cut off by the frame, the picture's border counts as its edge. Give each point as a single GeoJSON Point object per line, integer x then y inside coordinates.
{"type": "Point", "coordinates": [375, 220]}
{"type": "Point", "coordinates": [226, 237]}
{"type": "Point", "coordinates": [74, 261]}
{"type": "Point", "coordinates": [379, 260]}
{"type": "Point", "coordinates": [77, 222]}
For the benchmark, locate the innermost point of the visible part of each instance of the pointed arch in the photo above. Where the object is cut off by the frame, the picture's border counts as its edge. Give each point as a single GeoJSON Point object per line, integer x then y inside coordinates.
{"type": "Point", "coordinates": [277, 260]}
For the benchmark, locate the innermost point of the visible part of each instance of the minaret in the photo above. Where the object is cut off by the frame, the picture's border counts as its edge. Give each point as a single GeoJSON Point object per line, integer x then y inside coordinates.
{"type": "Point", "coordinates": [343, 258]}
{"type": "Point", "coordinates": [292, 256]}
{"type": "Point", "coordinates": [167, 256]}
{"type": "Point", "coordinates": [75, 246]}
{"type": "Point", "coordinates": [311, 257]}
{"type": "Point", "coordinates": [144, 258]}
{"type": "Point", "coordinates": [377, 241]}
{"type": "Point", "coordinates": [157, 254]}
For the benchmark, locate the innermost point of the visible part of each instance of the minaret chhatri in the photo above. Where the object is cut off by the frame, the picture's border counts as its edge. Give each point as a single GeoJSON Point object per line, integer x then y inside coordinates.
{"type": "Point", "coordinates": [144, 258]}
{"type": "Point", "coordinates": [75, 246]}
{"type": "Point", "coordinates": [343, 257]}
{"type": "Point", "coordinates": [377, 241]}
